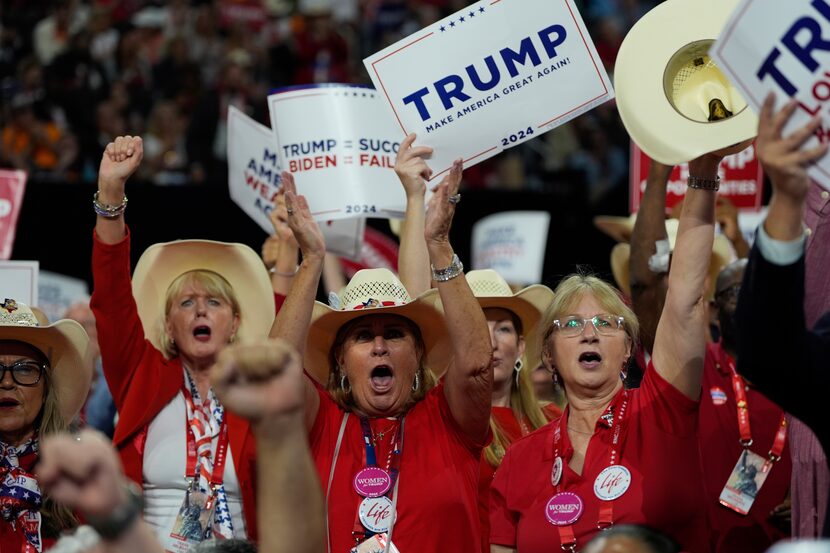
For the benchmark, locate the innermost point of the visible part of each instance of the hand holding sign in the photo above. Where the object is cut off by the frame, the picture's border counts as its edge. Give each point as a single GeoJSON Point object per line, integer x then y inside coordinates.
{"type": "Point", "coordinates": [442, 206]}
{"type": "Point", "coordinates": [411, 168]}
{"type": "Point", "coordinates": [305, 229]}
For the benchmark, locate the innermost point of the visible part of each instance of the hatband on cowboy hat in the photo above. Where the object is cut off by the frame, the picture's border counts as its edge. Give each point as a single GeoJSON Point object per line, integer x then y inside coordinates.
{"type": "Point", "coordinates": [621, 254]}
{"type": "Point", "coordinates": [667, 85]}
{"type": "Point", "coordinates": [161, 264]}
{"type": "Point", "coordinates": [64, 343]}
{"type": "Point", "coordinates": [375, 292]}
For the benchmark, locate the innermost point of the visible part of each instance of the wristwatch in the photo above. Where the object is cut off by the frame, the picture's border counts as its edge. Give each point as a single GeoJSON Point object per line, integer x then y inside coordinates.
{"type": "Point", "coordinates": [110, 527]}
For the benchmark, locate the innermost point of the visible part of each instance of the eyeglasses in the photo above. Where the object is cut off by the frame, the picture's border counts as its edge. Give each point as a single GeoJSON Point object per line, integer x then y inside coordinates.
{"type": "Point", "coordinates": [603, 323]}
{"type": "Point", "coordinates": [24, 373]}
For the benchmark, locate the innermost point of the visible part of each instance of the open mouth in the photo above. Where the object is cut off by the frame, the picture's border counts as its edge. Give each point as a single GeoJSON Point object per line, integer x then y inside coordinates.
{"type": "Point", "coordinates": [202, 333]}
{"type": "Point", "coordinates": [381, 378]}
{"type": "Point", "coordinates": [590, 359]}
{"type": "Point", "coordinates": [8, 403]}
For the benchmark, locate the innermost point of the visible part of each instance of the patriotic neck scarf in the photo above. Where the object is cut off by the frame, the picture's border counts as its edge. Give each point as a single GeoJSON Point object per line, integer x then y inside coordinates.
{"type": "Point", "coordinates": [20, 497]}
{"type": "Point", "coordinates": [205, 420]}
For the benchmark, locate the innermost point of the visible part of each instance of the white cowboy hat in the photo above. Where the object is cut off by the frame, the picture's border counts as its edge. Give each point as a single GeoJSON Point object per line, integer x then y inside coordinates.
{"type": "Point", "coordinates": [620, 228]}
{"type": "Point", "coordinates": [65, 345]}
{"type": "Point", "coordinates": [621, 254]}
{"type": "Point", "coordinates": [667, 85]}
{"type": "Point", "coordinates": [161, 264]}
{"type": "Point", "coordinates": [375, 292]}
{"type": "Point", "coordinates": [528, 304]}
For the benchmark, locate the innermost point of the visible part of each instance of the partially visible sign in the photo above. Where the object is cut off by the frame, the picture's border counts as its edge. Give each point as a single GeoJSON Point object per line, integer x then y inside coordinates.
{"type": "Point", "coordinates": [56, 292]}
{"type": "Point", "coordinates": [770, 46]}
{"type": "Point", "coordinates": [338, 143]}
{"type": "Point", "coordinates": [254, 179]}
{"type": "Point", "coordinates": [12, 186]}
{"type": "Point", "coordinates": [18, 281]}
{"type": "Point", "coordinates": [742, 180]}
{"type": "Point", "coordinates": [489, 77]}
{"type": "Point", "coordinates": [513, 243]}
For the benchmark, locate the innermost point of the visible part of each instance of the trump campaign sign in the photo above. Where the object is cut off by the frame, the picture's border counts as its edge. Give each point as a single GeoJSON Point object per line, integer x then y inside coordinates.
{"type": "Point", "coordinates": [338, 143]}
{"type": "Point", "coordinates": [782, 47]}
{"type": "Point", "coordinates": [513, 243]}
{"type": "Point", "coordinates": [742, 180]}
{"type": "Point", "coordinates": [254, 180]}
{"type": "Point", "coordinates": [493, 75]}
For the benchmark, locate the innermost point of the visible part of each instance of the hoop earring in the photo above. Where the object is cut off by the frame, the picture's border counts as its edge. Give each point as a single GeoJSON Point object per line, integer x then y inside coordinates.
{"type": "Point", "coordinates": [416, 383]}
{"type": "Point", "coordinates": [517, 368]}
{"type": "Point", "coordinates": [555, 378]}
{"type": "Point", "coordinates": [343, 384]}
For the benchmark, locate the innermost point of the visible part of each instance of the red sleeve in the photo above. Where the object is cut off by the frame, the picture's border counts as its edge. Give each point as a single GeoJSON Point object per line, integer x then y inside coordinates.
{"type": "Point", "coordinates": [120, 333]}
{"type": "Point", "coordinates": [665, 406]}
{"type": "Point", "coordinates": [279, 300]}
{"type": "Point", "coordinates": [503, 521]}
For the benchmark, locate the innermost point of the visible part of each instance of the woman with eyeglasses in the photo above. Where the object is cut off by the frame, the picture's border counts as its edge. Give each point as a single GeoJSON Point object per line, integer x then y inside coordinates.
{"type": "Point", "coordinates": [45, 374]}
{"type": "Point", "coordinates": [617, 456]}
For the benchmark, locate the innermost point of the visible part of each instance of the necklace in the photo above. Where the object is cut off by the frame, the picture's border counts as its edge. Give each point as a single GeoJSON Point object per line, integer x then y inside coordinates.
{"type": "Point", "coordinates": [381, 433]}
{"type": "Point", "coordinates": [580, 431]}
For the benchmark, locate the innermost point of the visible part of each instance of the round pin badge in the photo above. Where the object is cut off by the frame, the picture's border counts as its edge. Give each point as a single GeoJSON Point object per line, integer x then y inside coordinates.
{"type": "Point", "coordinates": [372, 482]}
{"type": "Point", "coordinates": [556, 471]}
{"type": "Point", "coordinates": [563, 509]}
{"type": "Point", "coordinates": [376, 514]}
{"type": "Point", "coordinates": [612, 482]}
{"type": "Point", "coordinates": [718, 395]}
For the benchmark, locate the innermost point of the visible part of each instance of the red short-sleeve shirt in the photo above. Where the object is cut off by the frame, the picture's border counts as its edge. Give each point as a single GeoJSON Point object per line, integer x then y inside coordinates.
{"type": "Point", "coordinates": [658, 446]}
{"type": "Point", "coordinates": [720, 450]}
{"type": "Point", "coordinates": [438, 480]}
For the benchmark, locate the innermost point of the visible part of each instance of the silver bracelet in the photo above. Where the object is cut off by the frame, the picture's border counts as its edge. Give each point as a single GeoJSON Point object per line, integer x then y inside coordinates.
{"type": "Point", "coordinates": [704, 184]}
{"type": "Point", "coordinates": [108, 211]}
{"type": "Point", "coordinates": [448, 273]}
{"type": "Point", "coordinates": [273, 270]}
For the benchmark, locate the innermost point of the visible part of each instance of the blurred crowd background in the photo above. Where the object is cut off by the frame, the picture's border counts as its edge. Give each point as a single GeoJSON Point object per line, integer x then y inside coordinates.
{"type": "Point", "coordinates": [76, 74]}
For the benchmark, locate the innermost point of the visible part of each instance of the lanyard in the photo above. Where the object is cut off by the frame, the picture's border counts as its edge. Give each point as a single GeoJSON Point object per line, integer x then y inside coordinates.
{"type": "Point", "coordinates": [218, 475]}
{"type": "Point", "coordinates": [606, 509]}
{"type": "Point", "coordinates": [744, 427]}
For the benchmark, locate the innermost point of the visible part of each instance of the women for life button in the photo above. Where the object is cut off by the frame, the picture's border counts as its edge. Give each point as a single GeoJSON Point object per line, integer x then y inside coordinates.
{"type": "Point", "coordinates": [372, 482]}
{"type": "Point", "coordinates": [563, 509]}
{"type": "Point", "coordinates": [376, 514]}
{"type": "Point", "coordinates": [612, 482]}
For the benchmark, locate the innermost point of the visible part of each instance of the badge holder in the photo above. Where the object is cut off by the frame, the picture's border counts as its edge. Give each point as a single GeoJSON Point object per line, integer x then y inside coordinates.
{"type": "Point", "coordinates": [194, 523]}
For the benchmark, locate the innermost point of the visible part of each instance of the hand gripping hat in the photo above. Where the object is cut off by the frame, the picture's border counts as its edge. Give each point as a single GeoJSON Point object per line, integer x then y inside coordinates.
{"type": "Point", "coordinates": [673, 100]}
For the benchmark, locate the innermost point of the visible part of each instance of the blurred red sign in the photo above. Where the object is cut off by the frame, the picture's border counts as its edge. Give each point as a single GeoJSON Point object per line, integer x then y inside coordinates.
{"type": "Point", "coordinates": [742, 180]}
{"type": "Point", "coordinates": [12, 185]}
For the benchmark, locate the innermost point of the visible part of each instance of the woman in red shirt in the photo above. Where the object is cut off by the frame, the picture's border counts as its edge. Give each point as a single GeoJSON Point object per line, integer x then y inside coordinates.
{"type": "Point", "coordinates": [617, 456]}
{"type": "Point", "coordinates": [159, 337]}
{"type": "Point", "coordinates": [397, 458]}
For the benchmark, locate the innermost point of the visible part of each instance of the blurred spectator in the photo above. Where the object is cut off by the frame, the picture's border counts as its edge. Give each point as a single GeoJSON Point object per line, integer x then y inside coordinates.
{"type": "Point", "coordinates": [322, 54]}
{"type": "Point", "coordinates": [51, 35]}
{"type": "Point", "coordinates": [165, 151]}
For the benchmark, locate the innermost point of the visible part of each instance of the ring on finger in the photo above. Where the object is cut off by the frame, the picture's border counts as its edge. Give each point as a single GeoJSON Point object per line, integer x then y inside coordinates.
{"type": "Point", "coordinates": [289, 210]}
{"type": "Point", "coordinates": [454, 199]}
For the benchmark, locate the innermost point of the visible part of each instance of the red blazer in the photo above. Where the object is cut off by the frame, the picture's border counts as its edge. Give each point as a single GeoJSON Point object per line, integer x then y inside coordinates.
{"type": "Point", "coordinates": [142, 380]}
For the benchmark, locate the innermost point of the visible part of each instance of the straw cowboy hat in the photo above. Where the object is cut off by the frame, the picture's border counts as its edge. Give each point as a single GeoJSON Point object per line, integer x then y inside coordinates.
{"type": "Point", "coordinates": [161, 264]}
{"type": "Point", "coordinates": [621, 228]}
{"type": "Point", "coordinates": [673, 100]}
{"type": "Point", "coordinates": [64, 343]}
{"type": "Point", "coordinates": [375, 292]}
{"type": "Point", "coordinates": [621, 254]}
{"type": "Point", "coordinates": [529, 304]}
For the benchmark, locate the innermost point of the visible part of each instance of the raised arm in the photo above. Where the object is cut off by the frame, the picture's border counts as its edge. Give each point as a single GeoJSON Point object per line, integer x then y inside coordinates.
{"type": "Point", "coordinates": [294, 318]}
{"type": "Point", "coordinates": [120, 160]}
{"type": "Point", "coordinates": [413, 261]}
{"type": "Point", "coordinates": [279, 252]}
{"type": "Point", "coordinates": [680, 341]}
{"type": "Point", "coordinates": [468, 384]}
{"type": "Point", "coordinates": [649, 280]}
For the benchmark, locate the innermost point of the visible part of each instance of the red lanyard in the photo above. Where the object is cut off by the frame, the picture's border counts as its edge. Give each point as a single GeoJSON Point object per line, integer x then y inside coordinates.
{"type": "Point", "coordinates": [218, 475]}
{"type": "Point", "coordinates": [606, 509]}
{"type": "Point", "coordinates": [744, 427]}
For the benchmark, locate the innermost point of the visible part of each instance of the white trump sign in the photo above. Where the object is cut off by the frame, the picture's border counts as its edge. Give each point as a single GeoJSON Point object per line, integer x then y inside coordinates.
{"type": "Point", "coordinates": [338, 143]}
{"type": "Point", "coordinates": [19, 281]}
{"type": "Point", "coordinates": [770, 46]}
{"type": "Point", "coordinates": [254, 181]}
{"type": "Point", "coordinates": [491, 76]}
{"type": "Point", "coordinates": [512, 243]}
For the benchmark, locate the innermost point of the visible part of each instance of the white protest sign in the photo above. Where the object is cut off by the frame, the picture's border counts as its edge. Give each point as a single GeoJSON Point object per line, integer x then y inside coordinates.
{"type": "Point", "coordinates": [513, 243]}
{"type": "Point", "coordinates": [254, 180]}
{"type": "Point", "coordinates": [489, 77]}
{"type": "Point", "coordinates": [770, 46]}
{"type": "Point", "coordinates": [57, 292]}
{"type": "Point", "coordinates": [340, 146]}
{"type": "Point", "coordinates": [18, 281]}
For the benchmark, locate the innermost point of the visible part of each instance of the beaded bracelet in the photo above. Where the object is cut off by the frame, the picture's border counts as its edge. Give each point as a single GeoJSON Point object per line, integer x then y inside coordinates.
{"type": "Point", "coordinates": [704, 184]}
{"type": "Point", "coordinates": [108, 211]}
{"type": "Point", "coordinates": [448, 273]}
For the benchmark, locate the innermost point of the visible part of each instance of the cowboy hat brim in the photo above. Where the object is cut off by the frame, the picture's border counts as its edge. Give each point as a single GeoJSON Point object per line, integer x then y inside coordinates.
{"type": "Point", "coordinates": [66, 345]}
{"type": "Point", "coordinates": [652, 52]}
{"type": "Point", "coordinates": [161, 264]}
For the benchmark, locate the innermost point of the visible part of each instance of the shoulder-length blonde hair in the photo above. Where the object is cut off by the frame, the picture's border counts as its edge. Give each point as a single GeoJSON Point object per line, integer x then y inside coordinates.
{"type": "Point", "coordinates": [573, 288]}
{"type": "Point", "coordinates": [213, 283]}
{"type": "Point", "coordinates": [343, 397]}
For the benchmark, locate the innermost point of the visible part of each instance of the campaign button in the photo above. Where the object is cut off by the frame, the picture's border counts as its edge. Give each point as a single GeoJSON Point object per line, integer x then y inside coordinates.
{"type": "Point", "coordinates": [556, 472]}
{"type": "Point", "coordinates": [376, 514]}
{"type": "Point", "coordinates": [563, 509]}
{"type": "Point", "coordinates": [718, 395]}
{"type": "Point", "coordinates": [612, 482]}
{"type": "Point", "coordinates": [372, 482]}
